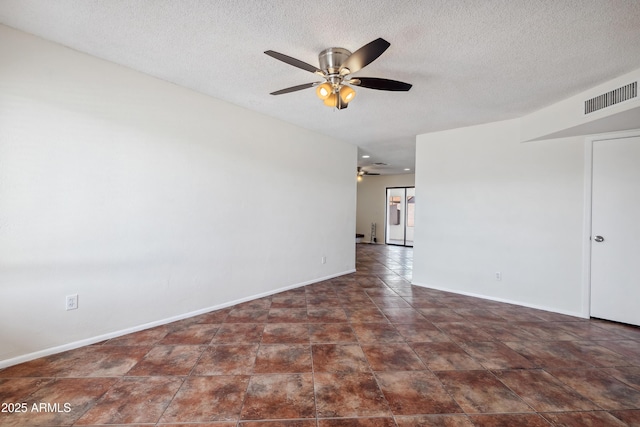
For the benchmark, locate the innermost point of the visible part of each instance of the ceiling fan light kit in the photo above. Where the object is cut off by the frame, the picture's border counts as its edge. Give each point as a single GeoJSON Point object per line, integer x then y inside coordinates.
{"type": "Point", "coordinates": [336, 64]}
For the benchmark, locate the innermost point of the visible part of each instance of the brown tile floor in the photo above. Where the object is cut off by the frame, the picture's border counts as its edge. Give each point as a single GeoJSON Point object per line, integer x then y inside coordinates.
{"type": "Point", "coordinates": [366, 349]}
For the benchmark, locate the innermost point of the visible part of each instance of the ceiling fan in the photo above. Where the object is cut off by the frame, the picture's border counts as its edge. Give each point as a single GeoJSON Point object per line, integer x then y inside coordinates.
{"type": "Point", "coordinates": [336, 66]}
{"type": "Point", "coordinates": [362, 172]}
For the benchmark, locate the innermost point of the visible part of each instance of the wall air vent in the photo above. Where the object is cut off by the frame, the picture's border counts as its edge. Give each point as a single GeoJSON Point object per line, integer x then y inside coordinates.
{"type": "Point", "coordinates": [611, 98]}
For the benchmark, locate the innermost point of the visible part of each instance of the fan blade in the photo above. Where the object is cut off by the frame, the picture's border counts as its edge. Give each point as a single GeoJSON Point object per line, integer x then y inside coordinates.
{"type": "Point", "coordinates": [293, 61]}
{"type": "Point", "coordinates": [365, 55]}
{"type": "Point", "coordinates": [380, 84]}
{"type": "Point", "coordinates": [294, 88]}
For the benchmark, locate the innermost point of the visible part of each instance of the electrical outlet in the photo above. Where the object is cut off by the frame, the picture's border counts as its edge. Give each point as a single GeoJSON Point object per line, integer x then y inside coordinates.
{"type": "Point", "coordinates": [72, 302]}
{"type": "Point", "coordinates": [324, 259]}
{"type": "Point", "coordinates": [498, 275]}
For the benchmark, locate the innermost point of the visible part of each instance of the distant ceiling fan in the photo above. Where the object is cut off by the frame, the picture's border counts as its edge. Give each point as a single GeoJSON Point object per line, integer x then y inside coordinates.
{"type": "Point", "coordinates": [362, 172]}
{"type": "Point", "coordinates": [336, 64]}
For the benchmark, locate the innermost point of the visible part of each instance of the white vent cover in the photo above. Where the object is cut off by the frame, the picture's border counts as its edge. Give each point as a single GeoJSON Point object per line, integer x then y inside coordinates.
{"type": "Point", "coordinates": [611, 98]}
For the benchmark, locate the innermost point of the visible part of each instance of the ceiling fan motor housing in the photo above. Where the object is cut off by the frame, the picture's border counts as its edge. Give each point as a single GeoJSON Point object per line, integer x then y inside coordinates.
{"type": "Point", "coordinates": [332, 59]}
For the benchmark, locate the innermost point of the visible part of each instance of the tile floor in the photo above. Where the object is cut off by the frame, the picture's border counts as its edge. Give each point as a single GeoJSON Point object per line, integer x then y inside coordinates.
{"type": "Point", "coordinates": [366, 349]}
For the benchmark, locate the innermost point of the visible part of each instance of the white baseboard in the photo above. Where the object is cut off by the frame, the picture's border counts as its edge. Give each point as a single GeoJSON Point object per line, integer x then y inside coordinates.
{"type": "Point", "coordinates": [88, 341]}
{"type": "Point", "coordinates": [508, 301]}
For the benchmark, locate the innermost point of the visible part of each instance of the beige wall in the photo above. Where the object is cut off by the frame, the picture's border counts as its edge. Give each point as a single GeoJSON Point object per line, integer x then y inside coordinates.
{"type": "Point", "coordinates": [371, 202]}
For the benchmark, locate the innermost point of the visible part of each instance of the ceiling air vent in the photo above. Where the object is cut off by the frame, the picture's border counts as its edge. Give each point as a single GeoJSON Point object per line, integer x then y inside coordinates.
{"type": "Point", "coordinates": [611, 98]}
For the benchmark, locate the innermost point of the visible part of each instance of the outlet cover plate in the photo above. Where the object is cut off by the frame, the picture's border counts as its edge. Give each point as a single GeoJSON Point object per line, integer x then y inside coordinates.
{"type": "Point", "coordinates": [72, 302]}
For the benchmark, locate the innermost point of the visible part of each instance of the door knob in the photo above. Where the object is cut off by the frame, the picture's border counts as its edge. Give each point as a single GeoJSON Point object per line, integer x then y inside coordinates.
{"type": "Point", "coordinates": [599, 239]}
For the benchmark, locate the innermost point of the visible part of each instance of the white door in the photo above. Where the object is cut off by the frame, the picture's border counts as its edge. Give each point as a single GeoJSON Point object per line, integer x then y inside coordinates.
{"type": "Point", "coordinates": [615, 230]}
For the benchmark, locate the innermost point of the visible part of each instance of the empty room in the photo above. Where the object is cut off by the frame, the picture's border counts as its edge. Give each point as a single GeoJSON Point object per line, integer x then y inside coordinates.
{"type": "Point", "coordinates": [319, 214]}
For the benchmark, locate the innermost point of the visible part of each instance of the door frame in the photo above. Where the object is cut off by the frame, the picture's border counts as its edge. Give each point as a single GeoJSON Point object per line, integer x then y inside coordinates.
{"type": "Point", "coordinates": [386, 215]}
{"type": "Point", "coordinates": [586, 226]}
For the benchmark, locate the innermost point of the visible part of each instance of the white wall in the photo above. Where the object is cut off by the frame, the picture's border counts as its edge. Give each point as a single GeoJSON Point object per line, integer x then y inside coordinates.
{"type": "Point", "coordinates": [372, 202]}
{"type": "Point", "coordinates": [149, 200]}
{"type": "Point", "coordinates": [489, 203]}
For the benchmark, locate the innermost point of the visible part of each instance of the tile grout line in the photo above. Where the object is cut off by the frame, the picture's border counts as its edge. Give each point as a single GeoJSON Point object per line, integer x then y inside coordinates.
{"type": "Point", "coordinates": [313, 372]}
{"type": "Point", "coordinates": [253, 373]}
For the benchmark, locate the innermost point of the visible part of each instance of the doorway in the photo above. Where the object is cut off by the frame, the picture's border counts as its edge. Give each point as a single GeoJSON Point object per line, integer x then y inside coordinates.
{"type": "Point", "coordinates": [400, 216]}
{"type": "Point", "coordinates": [615, 229]}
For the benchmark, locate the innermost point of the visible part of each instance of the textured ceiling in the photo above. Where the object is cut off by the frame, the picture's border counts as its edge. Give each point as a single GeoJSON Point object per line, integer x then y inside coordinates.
{"type": "Point", "coordinates": [470, 62]}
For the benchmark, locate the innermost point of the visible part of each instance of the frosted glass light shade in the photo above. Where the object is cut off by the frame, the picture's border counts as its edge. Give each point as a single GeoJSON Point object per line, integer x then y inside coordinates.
{"type": "Point", "coordinates": [347, 94]}
{"type": "Point", "coordinates": [331, 101]}
{"type": "Point", "coordinates": [324, 90]}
